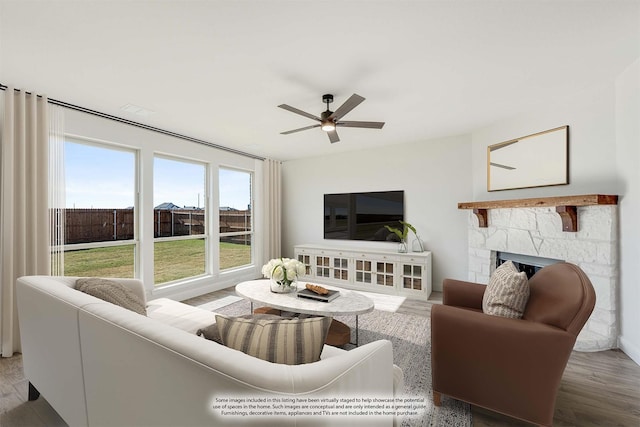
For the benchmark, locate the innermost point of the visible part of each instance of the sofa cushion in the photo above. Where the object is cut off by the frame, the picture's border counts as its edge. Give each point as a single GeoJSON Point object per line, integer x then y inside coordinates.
{"type": "Point", "coordinates": [113, 292]}
{"type": "Point", "coordinates": [212, 333]}
{"type": "Point", "coordinates": [507, 292]}
{"type": "Point", "coordinates": [286, 341]}
{"type": "Point", "coordinates": [179, 315]}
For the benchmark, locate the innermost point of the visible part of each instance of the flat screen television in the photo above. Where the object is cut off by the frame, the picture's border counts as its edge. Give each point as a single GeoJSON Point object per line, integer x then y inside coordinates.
{"type": "Point", "coordinates": [363, 216]}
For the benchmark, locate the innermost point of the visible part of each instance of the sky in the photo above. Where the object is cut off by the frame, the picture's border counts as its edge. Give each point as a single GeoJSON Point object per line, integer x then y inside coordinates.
{"type": "Point", "coordinates": [97, 177]}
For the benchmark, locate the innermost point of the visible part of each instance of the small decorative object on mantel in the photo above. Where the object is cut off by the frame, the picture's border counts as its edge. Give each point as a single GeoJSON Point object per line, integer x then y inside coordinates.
{"type": "Point", "coordinates": [402, 235]}
{"type": "Point", "coordinates": [283, 273]}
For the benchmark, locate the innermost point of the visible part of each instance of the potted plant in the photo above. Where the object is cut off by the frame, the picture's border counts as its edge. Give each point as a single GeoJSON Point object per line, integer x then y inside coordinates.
{"type": "Point", "coordinates": [402, 235]}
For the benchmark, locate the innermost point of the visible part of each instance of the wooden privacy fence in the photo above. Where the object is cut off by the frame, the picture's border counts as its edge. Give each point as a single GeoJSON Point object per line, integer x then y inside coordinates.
{"type": "Point", "coordinates": [177, 222]}
{"type": "Point", "coordinates": [101, 225]}
{"type": "Point", "coordinates": [97, 225]}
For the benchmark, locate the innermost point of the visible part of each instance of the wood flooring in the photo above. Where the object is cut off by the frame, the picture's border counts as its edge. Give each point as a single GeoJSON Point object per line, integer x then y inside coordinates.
{"type": "Point", "coordinates": [597, 389]}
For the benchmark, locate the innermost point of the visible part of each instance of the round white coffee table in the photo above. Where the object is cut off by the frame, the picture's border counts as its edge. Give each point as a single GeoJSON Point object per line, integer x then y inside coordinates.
{"type": "Point", "coordinates": [348, 303]}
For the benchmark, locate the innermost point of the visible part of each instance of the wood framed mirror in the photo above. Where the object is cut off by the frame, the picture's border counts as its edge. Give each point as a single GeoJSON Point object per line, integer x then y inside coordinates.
{"type": "Point", "coordinates": [536, 160]}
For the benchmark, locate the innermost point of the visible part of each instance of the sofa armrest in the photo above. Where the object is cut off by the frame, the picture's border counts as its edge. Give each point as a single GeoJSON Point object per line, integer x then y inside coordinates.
{"type": "Point", "coordinates": [497, 362]}
{"type": "Point", "coordinates": [398, 381]}
{"type": "Point", "coordinates": [51, 355]}
{"type": "Point", "coordinates": [462, 294]}
{"type": "Point", "coordinates": [398, 376]}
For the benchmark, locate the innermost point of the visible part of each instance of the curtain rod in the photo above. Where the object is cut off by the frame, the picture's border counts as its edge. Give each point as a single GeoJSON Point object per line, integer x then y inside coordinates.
{"type": "Point", "coordinates": [140, 125]}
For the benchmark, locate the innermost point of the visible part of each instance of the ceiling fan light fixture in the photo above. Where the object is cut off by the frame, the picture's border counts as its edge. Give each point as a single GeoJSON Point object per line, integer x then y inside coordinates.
{"type": "Point", "coordinates": [329, 120]}
{"type": "Point", "coordinates": [328, 126]}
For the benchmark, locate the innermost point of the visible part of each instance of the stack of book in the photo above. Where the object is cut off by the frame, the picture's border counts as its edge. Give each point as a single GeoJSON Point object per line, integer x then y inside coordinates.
{"type": "Point", "coordinates": [330, 296]}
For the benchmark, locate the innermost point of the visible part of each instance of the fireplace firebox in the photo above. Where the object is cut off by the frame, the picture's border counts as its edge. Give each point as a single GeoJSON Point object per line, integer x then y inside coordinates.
{"type": "Point", "coordinates": [525, 263]}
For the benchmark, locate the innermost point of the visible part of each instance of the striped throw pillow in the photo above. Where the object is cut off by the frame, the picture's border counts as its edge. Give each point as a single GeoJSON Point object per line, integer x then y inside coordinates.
{"type": "Point", "coordinates": [507, 292]}
{"type": "Point", "coordinates": [286, 341]}
{"type": "Point", "coordinates": [211, 332]}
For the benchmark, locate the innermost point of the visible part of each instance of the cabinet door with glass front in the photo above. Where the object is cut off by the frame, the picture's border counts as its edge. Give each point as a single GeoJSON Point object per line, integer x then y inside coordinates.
{"type": "Point", "coordinates": [412, 276]}
{"type": "Point", "coordinates": [364, 272]}
{"type": "Point", "coordinates": [385, 271]}
{"type": "Point", "coordinates": [327, 266]}
{"type": "Point", "coordinates": [333, 267]}
{"type": "Point", "coordinates": [306, 260]}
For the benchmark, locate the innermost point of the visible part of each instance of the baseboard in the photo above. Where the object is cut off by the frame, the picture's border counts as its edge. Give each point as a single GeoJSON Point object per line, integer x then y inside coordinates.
{"type": "Point", "coordinates": [629, 349]}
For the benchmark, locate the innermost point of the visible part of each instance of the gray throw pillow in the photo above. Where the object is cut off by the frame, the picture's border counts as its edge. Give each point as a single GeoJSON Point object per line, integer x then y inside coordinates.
{"type": "Point", "coordinates": [507, 292]}
{"type": "Point", "coordinates": [113, 292]}
{"type": "Point", "coordinates": [286, 341]}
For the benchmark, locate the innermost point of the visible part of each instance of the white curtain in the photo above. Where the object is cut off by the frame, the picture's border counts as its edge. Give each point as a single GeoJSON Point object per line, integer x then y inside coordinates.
{"type": "Point", "coordinates": [24, 220]}
{"type": "Point", "coordinates": [57, 199]}
{"type": "Point", "coordinates": [272, 209]}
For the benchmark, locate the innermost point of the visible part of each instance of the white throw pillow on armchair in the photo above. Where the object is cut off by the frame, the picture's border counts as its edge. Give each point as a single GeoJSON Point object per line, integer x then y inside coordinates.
{"type": "Point", "coordinates": [507, 292]}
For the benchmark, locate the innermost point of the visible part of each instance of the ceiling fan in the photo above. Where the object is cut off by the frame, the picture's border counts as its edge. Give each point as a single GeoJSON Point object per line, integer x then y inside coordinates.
{"type": "Point", "coordinates": [329, 120]}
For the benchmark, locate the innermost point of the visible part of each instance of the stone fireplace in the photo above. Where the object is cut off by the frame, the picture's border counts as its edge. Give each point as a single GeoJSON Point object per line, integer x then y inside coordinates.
{"type": "Point", "coordinates": [534, 232]}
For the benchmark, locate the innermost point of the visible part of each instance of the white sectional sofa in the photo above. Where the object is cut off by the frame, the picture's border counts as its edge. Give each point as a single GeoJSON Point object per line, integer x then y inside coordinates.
{"type": "Point", "coordinates": [99, 364]}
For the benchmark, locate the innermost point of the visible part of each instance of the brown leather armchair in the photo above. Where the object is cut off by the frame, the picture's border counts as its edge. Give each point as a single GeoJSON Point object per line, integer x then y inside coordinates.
{"type": "Point", "coordinates": [511, 366]}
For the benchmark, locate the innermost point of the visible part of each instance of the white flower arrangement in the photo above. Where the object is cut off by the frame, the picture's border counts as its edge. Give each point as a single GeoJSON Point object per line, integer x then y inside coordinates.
{"type": "Point", "coordinates": [284, 271]}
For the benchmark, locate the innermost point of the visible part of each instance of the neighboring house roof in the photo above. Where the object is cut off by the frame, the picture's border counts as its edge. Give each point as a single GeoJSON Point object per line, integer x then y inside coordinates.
{"type": "Point", "coordinates": [167, 206]}
{"type": "Point", "coordinates": [172, 206]}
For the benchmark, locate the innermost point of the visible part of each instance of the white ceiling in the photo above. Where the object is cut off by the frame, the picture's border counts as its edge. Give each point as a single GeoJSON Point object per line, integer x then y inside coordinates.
{"type": "Point", "coordinates": [216, 70]}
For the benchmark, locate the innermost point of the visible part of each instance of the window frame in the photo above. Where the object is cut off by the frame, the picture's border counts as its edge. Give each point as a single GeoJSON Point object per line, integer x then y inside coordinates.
{"type": "Point", "coordinates": [251, 232]}
{"type": "Point", "coordinates": [206, 235]}
{"type": "Point", "coordinates": [66, 247]}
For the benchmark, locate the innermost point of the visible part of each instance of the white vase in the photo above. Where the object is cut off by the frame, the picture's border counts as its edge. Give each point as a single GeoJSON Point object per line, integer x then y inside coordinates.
{"type": "Point", "coordinates": [283, 287]}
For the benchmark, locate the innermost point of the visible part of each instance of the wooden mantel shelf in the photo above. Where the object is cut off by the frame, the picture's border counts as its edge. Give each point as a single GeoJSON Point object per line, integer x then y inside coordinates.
{"type": "Point", "coordinates": [565, 207]}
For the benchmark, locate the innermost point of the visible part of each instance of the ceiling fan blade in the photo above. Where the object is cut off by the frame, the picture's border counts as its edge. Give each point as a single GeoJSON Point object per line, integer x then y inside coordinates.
{"type": "Point", "coordinates": [348, 105]}
{"type": "Point", "coordinates": [333, 136]}
{"type": "Point", "coordinates": [300, 129]}
{"type": "Point", "coordinates": [302, 113]}
{"type": "Point", "coordinates": [356, 124]}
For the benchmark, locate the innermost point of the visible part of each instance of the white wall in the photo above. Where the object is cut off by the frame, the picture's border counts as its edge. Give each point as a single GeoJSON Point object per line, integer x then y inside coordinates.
{"type": "Point", "coordinates": [592, 145]}
{"type": "Point", "coordinates": [435, 175]}
{"type": "Point", "coordinates": [628, 137]}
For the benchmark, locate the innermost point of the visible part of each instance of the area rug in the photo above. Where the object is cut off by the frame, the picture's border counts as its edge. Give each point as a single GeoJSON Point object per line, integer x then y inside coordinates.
{"type": "Point", "coordinates": [409, 336]}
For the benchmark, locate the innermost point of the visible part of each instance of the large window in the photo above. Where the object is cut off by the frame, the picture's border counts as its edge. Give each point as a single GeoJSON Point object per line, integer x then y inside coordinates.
{"type": "Point", "coordinates": [99, 215]}
{"type": "Point", "coordinates": [127, 202]}
{"type": "Point", "coordinates": [179, 217]}
{"type": "Point", "coordinates": [236, 219]}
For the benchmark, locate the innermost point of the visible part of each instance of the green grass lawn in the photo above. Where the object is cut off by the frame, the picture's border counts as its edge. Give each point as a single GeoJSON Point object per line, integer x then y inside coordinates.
{"type": "Point", "coordinates": [116, 261]}
{"type": "Point", "coordinates": [173, 260]}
